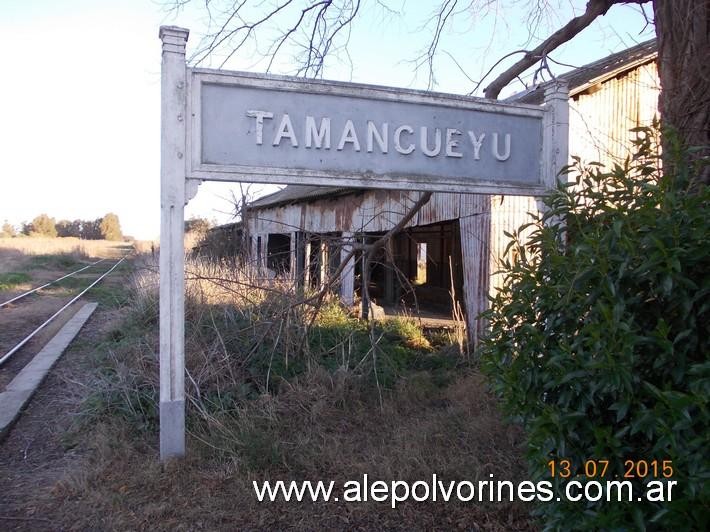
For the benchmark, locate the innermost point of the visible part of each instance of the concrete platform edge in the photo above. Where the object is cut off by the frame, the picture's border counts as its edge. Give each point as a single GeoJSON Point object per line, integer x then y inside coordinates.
{"type": "Point", "coordinates": [21, 389]}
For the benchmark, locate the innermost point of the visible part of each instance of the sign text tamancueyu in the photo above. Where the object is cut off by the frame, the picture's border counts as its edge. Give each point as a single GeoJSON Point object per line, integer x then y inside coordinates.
{"type": "Point", "coordinates": [281, 129]}
{"type": "Point", "coordinates": [317, 133]}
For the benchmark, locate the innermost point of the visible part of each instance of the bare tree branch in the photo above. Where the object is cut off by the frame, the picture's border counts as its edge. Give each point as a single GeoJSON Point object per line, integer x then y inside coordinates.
{"type": "Point", "coordinates": [312, 30]}
{"type": "Point", "coordinates": [316, 28]}
{"type": "Point", "coordinates": [441, 19]}
{"type": "Point", "coordinates": [595, 9]}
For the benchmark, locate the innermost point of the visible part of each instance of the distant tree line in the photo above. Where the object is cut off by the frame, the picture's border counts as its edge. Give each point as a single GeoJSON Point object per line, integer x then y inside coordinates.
{"type": "Point", "coordinates": [107, 227]}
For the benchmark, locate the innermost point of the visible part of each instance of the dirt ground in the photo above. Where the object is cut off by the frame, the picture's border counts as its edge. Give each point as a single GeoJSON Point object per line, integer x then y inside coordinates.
{"type": "Point", "coordinates": [36, 453]}
{"type": "Point", "coordinates": [55, 481]}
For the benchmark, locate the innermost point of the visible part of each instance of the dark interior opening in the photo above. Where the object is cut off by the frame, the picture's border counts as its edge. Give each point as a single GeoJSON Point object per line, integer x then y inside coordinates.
{"type": "Point", "coordinates": [419, 274]}
{"type": "Point", "coordinates": [278, 255]}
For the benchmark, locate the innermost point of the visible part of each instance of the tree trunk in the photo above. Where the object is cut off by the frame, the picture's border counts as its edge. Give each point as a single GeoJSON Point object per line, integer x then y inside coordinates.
{"type": "Point", "coordinates": [683, 31]}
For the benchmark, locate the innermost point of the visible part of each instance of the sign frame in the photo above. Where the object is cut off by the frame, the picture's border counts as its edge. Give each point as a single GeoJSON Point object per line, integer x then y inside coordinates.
{"type": "Point", "coordinates": [180, 176]}
{"type": "Point", "coordinates": [275, 175]}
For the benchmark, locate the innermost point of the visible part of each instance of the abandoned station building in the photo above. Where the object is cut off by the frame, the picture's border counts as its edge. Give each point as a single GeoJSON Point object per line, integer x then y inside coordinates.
{"type": "Point", "coordinates": [450, 249]}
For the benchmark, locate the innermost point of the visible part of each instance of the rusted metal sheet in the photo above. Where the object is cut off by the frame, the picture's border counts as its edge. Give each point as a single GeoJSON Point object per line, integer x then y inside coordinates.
{"type": "Point", "coordinates": [482, 222]}
{"type": "Point", "coordinates": [475, 228]}
{"type": "Point", "coordinates": [443, 206]}
{"type": "Point", "coordinates": [371, 211]}
{"type": "Point", "coordinates": [508, 213]}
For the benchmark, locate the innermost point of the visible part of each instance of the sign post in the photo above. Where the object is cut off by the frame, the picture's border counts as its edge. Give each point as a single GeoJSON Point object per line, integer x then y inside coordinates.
{"type": "Point", "coordinates": [172, 253]}
{"type": "Point", "coordinates": [236, 126]}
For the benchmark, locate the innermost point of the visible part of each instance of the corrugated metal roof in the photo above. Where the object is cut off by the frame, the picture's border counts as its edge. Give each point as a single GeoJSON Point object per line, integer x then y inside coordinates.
{"type": "Point", "coordinates": [589, 75]}
{"type": "Point", "coordinates": [294, 193]}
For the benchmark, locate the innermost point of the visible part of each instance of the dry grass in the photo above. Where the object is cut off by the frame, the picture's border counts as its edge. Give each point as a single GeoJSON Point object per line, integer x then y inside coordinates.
{"type": "Point", "coordinates": [145, 246]}
{"type": "Point", "coordinates": [64, 246]}
{"type": "Point", "coordinates": [304, 434]}
{"type": "Point", "coordinates": [278, 392]}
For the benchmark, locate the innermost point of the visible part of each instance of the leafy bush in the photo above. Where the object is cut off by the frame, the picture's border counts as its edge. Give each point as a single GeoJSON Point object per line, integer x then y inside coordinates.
{"type": "Point", "coordinates": [599, 337]}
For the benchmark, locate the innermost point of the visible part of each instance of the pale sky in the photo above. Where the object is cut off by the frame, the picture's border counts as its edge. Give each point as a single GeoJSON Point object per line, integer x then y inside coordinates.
{"type": "Point", "coordinates": [80, 92]}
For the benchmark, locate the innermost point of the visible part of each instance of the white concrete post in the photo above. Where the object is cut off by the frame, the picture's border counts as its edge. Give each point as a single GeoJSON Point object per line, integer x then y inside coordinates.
{"type": "Point", "coordinates": [347, 276]}
{"type": "Point", "coordinates": [172, 252]}
{"type": "Point", "coordinates": [555, 132]}
{"type": "Point", "coordinates": [555, 139]}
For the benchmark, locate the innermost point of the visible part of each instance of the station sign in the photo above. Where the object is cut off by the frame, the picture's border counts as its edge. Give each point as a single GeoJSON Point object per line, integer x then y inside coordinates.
{"type": "Point", "coordinates": [274, 129]}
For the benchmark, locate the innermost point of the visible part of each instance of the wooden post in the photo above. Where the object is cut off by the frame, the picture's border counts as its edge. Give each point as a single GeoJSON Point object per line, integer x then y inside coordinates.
{"type": "Point", "coordinates": [365, 282]}
{"type": "Point", "coordinates": [253, 251]}
{"type": "Point", "coordinates": [307, 262]}
{"type": "Point", "coordinates": [389, 274]}
{"type": "Point", "coordinates": [322, 263]}
{"type": "Point", "coordinates": [347, 276]}
{"type": "Point", "coordinates": [259, 251]}
{"type": "Point", "coordinates": [300, 260]}
{"type": "Point", "coordinates": [265, 252]}
{"type": "Point", "coordinates": [172, 252]}
{"type": "Point", "coordinates": [293, 259]}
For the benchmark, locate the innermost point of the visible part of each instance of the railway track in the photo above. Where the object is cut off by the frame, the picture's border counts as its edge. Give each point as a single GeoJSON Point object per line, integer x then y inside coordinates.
{"type": "Point", "coordinates": [5, 357]}
{"type": "Point", "coordinates": [50, 283]}
{"type": "Point", "coordinates": [27, 368]}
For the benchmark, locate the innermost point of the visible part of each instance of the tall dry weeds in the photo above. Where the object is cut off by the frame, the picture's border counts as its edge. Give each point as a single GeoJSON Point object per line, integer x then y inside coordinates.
{"type": "Point", "coordinates": [251, 336]}
{"type": "Point", "coordinates": [273, 393]}
{"type": "Point", "coordinates": [76, 247]}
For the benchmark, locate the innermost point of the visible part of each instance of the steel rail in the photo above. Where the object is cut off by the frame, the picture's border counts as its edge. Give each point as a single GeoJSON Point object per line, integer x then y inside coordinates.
{"type": "Point", "coordinates": [31, 335]}
{"type": "Point", "coordinates": [49, 283]}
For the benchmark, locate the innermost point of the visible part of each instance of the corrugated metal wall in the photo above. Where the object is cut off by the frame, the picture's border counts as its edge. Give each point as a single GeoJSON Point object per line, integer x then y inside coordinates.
{"type": "Point", "coordinates": [368, 210]}
{"type": "Point", "coordinates": [475, 230]}
{"type": "Point", "coordinates": [600, 121]}
{"type": "Point", "coordinates": [482, 222]}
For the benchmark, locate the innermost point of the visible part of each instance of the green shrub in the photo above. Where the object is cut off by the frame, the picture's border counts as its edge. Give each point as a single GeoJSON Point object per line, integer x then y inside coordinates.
{"type": "Point", "coordinates": [599, 337]}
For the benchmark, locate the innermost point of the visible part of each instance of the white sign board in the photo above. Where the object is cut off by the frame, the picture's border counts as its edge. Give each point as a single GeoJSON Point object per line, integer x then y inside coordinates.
{"type": "Point", "coordinates": [287, 130]}
{"type": "Point", "coordinates": [268, 129]}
